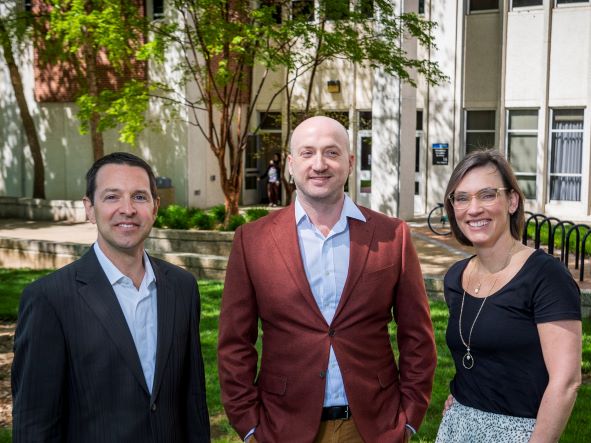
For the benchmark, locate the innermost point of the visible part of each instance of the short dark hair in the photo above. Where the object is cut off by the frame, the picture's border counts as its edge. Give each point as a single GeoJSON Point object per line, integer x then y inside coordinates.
{"type": "Point", "coordinates": [118, 158]}
{"type": "Point", "coordinates": [475, 160]}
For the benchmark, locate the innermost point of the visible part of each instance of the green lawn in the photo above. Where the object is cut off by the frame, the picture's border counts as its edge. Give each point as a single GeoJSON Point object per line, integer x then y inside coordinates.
{"type": "Point", "coordinates": [578, 430]}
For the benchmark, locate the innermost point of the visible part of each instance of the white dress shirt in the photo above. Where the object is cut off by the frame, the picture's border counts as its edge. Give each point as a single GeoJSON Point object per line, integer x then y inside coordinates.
{"type": "Point", "coordinates": [139, 308]}
{"type": "Point", "coordinates": [326, 261]}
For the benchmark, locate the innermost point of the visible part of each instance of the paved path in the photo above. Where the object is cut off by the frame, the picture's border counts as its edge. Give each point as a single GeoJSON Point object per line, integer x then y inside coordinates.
{"type": "Point", "coordinates": [436, 253]}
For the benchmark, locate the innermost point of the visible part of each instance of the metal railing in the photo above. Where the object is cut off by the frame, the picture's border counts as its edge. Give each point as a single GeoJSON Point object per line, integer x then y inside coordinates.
{"type": "Point", "coordinates": [581, 232]}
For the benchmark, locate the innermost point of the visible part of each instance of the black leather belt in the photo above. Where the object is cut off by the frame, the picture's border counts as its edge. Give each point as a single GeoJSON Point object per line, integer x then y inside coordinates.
{"type": "Point", "coordinates": [336, 413]}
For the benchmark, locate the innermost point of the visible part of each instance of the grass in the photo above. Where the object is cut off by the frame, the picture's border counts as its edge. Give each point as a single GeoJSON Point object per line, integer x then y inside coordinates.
{"type": "Point", "coordinates": [12, 282]}
{"type": "Point", "coordinates": [578, 429]}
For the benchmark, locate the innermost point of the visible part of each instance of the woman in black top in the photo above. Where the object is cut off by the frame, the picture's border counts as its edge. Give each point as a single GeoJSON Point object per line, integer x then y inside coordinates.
{"type": "Point", "coordinates": [514, 328]}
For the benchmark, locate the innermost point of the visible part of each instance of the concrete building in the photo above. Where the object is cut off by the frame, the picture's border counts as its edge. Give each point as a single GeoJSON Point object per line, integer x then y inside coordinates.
{"type": "Point", "coordinates": [519, 80]}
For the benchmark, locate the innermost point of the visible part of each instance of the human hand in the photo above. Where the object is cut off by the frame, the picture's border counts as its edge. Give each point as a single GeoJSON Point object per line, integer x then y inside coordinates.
{"type": "Point", "coordinates": [448, 403]}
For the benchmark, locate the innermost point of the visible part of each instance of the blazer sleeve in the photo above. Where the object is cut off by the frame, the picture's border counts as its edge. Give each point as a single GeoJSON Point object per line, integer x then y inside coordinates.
{"type": "Point", "coordinates": [415, 337]}
{"type": "Point", "coordinates": [238, 331]}
{"type": "Point", "coordinates": [38, 371]}
{"type": "Point", "coordinates": [198, 416]}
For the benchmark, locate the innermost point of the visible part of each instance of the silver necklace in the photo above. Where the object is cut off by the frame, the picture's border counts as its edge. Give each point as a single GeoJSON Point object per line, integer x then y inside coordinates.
{"type": "Point", "coordinates": [468, 359]}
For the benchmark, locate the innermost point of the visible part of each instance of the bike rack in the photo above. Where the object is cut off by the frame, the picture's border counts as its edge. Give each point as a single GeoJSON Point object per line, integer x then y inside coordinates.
{"type": "Point", "coordinates": [577, 244]}
{"type": "Point", "coordinates": [582, 258]}
{"type": "Point", "coordinates": [562, 226]}
{"type": "Point", "coordinates": [537, 228]}
{"type": "Point", "coordinates": [548, 220]}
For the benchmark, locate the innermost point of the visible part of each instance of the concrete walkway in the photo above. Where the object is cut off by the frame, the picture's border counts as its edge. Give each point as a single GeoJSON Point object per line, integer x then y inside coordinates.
{"type": "Point", "coordinates": [436, 253]}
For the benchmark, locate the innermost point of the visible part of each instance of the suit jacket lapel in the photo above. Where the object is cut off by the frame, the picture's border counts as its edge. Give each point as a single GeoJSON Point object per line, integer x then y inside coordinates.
{"type": "Point", "coordinates": [100, 297]}
{"type": "Point", "coordinates": [284, 232]}
{"type": "Point", "coordinates": [360, 235]}
{"type": "Point", "coordinates": [166, 307]}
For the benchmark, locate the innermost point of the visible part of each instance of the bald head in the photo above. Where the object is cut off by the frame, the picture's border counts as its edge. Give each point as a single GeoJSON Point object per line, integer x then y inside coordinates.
{"type": "Point", "coordinates": [316, 126]}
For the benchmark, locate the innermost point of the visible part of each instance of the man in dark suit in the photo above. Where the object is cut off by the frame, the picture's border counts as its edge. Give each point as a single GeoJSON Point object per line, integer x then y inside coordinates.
{"type": "Point", "coordinates": [325, 278]}
{"type": "Point", "coordinates": [107, 349]}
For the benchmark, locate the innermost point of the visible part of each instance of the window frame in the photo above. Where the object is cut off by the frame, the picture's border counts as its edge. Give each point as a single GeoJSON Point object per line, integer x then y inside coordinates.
{"type": "Point", "coordinates": [482, 11]}
{"type": "Point", "coordinates": [550, 153]}
{"type": "Point", "coordinates": [526, 7]}
{"type": "Point", "coordinates": [481, 131]}
{"type": "Point", "coordinates": [536, 132]}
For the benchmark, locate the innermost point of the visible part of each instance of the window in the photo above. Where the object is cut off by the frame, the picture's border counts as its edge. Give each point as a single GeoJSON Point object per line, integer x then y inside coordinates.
{"type": "Point", "coordinates": [522, 148]}
{"type": "Point", "coordinates": [422, 7]}
{"type": "Point", "coordinates": [365, 8]}
{"type": "Point", "coordinates": [365, 120]}
{"type": "Point", "coordinates": [270, 120]}
{"type": "Point", "coordinates": [335, 9]}
{"type": "Point", "coordinates": [302, 10]}
{"type": "Point", "coordinates": [341, 116]}
{"type": "Point", "coordinates": [564, 2]}
{"type": "Point", "coordinates": [526, 3]}
{"type": "Point", "coordinates": [28, 5]}
{"type": "Point", "coordinates": [484, 5]}
{"type": "Point", "coordinates": [157, 9]}
{"type": "Point", "coordinates": [566, 154]}
{"type": "Point", "coordinates": [480, 130]}
{"type": "Point", "coordinates": [275, 9]}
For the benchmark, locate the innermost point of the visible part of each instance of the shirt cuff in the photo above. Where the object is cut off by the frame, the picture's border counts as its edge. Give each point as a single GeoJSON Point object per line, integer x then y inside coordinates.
{"type": "Point", "coordinates": [410, 428]}
{"type": "Point", "coordinates": [250, 434]}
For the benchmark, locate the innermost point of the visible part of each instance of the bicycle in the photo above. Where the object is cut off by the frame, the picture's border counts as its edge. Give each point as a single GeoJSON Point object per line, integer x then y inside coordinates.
{"type": "Point", "coordinates": [438, 221]}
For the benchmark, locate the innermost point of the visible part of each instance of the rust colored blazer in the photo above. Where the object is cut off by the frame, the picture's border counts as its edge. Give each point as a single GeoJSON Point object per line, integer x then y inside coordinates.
{"type": "Point", "coordinates": [266, 281]}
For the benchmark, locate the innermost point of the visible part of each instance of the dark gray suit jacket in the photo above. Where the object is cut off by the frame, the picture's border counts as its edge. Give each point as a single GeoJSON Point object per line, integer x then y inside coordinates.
{"type": "Point", "coordinates": [77, 377]}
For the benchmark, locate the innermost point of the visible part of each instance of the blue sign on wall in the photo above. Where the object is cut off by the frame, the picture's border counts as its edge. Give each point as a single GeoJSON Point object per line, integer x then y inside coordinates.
{"type": "Point", "coordinates": [440, 153]}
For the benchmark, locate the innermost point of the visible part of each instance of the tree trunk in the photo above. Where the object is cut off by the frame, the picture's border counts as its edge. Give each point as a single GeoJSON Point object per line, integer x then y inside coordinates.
{"type": "Point", "coordinates": [28, 123]}
{"type": "Point", "coordinates": [96, 137]}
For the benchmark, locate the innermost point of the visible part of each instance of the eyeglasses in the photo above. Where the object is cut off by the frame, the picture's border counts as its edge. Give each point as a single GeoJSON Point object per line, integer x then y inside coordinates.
{"type": "Point", "coordinates": [486, 197]}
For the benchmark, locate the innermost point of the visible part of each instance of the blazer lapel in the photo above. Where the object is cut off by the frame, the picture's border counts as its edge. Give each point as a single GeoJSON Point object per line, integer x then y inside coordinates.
{"type": "Point", "coordinates": [360, 235]}
{"type": "Point", "coordinates": [285, 235]}
{"type": "Point", "coordinates": [166, 307]}
{"type": "Point", "coordinates": [100, 297]}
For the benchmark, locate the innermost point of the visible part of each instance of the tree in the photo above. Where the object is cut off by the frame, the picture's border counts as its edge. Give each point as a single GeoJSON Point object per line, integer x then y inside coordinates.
{"type": "Point", "coordinates": [13, 32]}
{"type": "Point", "coordinates": [104, 41]}
{"type": "Point", "coordinates": [223, 41]}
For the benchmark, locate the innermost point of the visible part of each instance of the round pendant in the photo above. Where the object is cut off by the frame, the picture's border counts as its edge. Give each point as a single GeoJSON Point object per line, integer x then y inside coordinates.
{"type": "Point", "coordinates": [468, 360]}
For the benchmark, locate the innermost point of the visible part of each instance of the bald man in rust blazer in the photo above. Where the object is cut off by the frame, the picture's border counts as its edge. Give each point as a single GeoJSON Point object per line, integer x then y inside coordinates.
{"type": "Point", "coordinates": [325, 278]}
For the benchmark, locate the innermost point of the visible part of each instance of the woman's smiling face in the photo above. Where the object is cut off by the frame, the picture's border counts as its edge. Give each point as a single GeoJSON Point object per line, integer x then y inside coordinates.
{"type": "Point", "coordinates": [484, 222]}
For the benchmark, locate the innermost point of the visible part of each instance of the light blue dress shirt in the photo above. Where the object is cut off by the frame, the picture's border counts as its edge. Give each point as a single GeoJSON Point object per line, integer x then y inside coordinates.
{"type": "Point", "coordinates": [139, 308]}
{"type": "Point", "coordinates": [326, 261]}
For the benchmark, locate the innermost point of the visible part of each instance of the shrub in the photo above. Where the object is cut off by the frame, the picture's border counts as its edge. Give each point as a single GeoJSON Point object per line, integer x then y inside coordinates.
{"type": "Point", "coordinates": [218, 212]}
{"type": "Point", "coordinates": [253, 214]}
{"type": "Point", "coordinates": [175, 217]}
{"type": "Point", "coordinates": [202, 220]}
{"type": "Point", "coordinates": [234, 222]}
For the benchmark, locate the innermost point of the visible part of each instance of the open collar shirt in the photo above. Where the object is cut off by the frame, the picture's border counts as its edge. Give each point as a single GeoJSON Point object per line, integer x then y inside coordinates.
{"type": "Point", "coordinates": [139, 308]}
{"type": "Point", "coordinates": [326, 262]}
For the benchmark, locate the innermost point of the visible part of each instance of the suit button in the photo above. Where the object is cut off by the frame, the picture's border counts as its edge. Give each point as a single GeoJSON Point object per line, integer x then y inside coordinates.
{"type": "Point", "coordinates": [153, 408]}
{"type": "Point", "coordinates": [331, 332]}
{"type": "Point", "coordinates": [322, 374]}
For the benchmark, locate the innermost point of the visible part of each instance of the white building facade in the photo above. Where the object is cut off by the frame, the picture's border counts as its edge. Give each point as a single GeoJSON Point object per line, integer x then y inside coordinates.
{"type": "Point", "coordinates": [519, 80]}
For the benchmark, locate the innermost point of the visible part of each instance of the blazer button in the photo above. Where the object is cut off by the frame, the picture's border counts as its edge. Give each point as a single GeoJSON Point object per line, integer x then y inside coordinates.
{"type": "Point", "coordinates": [322, 374]}
{"type": "Point", "coordinates": [331, 332]}
{"type": "Point", "coordinates": [153, 408]}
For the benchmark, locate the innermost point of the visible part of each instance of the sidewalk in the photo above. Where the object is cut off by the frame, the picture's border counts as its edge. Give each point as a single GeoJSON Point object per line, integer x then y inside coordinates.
{"type": "Point", "coordinates": [436, 253]}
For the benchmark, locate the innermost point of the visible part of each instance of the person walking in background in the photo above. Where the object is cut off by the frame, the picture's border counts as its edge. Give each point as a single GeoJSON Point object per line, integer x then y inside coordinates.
{"type": "Point", "coordinates": [325, 278]}
{"type": "Point", "coordinates": [273, 183]}
{"type": "Point", "coordinates": [514, 327]}
{"type": "Point", "coordinates": [107, 348]}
